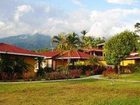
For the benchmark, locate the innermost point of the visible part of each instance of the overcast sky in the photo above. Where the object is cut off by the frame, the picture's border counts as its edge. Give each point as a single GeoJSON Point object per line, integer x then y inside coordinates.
{"type": "Point", "coordinates": [99, 17]}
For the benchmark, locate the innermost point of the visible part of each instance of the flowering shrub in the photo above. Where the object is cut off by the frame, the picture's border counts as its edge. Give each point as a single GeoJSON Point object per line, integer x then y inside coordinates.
{"type": "Point", "coordinates": [88, 72]}
{"type": "Point", "coordinates": [110, 73]}
{"type": "Point", "coordinates": [55, 75]}
{"type": "Point", "coordinates": [75, 73]}
{"type": "Point", "coordinates": [63, 75]}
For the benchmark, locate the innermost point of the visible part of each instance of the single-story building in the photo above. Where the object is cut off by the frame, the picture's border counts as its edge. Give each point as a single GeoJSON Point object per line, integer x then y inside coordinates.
{"type": "Point", "coordinates": [28, 56]}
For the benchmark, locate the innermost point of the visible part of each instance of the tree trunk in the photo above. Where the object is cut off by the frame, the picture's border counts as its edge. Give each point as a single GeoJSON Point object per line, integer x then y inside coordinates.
{"type": "Point", "coordinates": [119, 71]}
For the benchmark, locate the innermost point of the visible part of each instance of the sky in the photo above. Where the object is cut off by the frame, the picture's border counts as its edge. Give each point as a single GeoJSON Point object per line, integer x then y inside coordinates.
{"type": "Point", "coordinates": [101, 18]}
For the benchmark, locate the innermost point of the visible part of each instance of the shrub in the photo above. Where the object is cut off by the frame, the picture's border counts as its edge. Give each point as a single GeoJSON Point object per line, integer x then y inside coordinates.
{"type": "Point", "coordinates": [48, 69]}
{"type": "Point", "coordinates": [99, 69]}
{"type": "Point", "coordinates": [55, 75]}
{"type": "Point", "coordinates": [126, 70]}
{"type": "Point", "coordinates": [75, 73]}
{"type": "Point", "coordinates": [110, 73]}
{"type": "Point", "coordinates": [88, 72]}
{"type": "Point", "coordinates": [40, 73]}
{"type": "Point", "coordinates": [134, 68]}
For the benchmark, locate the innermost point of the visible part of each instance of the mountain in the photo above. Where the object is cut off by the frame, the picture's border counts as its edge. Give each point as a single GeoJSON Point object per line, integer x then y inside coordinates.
{"type": "Point", "coordinates": [31, 42]}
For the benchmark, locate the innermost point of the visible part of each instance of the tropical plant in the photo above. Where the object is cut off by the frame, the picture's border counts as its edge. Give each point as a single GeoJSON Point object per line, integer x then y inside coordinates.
{"type": "Point", "coordinates": [83, 32]}
{"type": "Point", "coordinates": [6, 64]}
{"type": "Point", "coordinates": [94, 61]}
{"type": "Point", "coordinates": [91, 42]}
{"type": "Point", "coordinates": [72, 41]}
{"type": "Point", "coordinates": [137, 26]}
{"type": "Point", "coordinates": [60, 41]}
{"type": "Point", "coordinates": [20, 65]}
{"type": "Point", "coordinates": [11, 66]}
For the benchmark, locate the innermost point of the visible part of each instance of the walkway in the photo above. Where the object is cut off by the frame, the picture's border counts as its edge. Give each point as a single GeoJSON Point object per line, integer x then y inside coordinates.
{"type": "Point", "coordinates": [43, 81]}
{"type": "Point", "coordinates": [99, 77]}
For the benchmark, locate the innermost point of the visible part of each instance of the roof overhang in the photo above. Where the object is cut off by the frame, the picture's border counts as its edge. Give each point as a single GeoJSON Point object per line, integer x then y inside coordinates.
{"type": "Point", "coordinates": [72, 58]}
{"type": "Point", "coordinates": [22, 54]}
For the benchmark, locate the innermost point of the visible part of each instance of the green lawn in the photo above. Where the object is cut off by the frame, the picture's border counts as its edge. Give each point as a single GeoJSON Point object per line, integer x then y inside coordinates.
{"type": "Point", "coordinates": [133, 76]}
{"type": "Point", "coordinates": [82, 92]}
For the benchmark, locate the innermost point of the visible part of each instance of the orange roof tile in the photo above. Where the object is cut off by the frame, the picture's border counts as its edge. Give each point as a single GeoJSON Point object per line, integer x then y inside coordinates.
{"type": "Point", "coordinates": [50, 54]}
{"type": "Point", "coordinates": [74, 55]}
{"type": "Point", "coordinates": [11, 49]}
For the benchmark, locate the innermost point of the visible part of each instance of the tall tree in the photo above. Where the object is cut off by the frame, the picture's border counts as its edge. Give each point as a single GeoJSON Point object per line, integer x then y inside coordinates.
{"type": "Point", "coordinates": [73, 41]}
{"type": "Point", "coordinates": [87, 42]}
{"type": "Point", "coordinates": [119, 47]}
{"type": "Point", "coordinates": [83, 32]}
{"type": "Point", "coordinates": [137, 26]}
{"type": "Point", "coordinates": [60, 41]}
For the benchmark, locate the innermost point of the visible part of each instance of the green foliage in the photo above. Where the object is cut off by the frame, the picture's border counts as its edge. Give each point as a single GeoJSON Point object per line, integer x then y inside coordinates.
{"type": "Point", "coordinates": [90, 42]}
{"type": "Point", "coordinates": [6, 63]}
{"type": "Point", "coordinates": [60, 41]}
{"type": "Point", "coordinates": [66, 41]}
{"type": "Point", "coordinates": [119, 47]}
{"type": "Point", "coordinates": [40, 73]}
{"type": "Point", "coordinates": [137, 26]}
{"type": "Point", "coordinates": [11, 65]}
{"type": "Point", "coordinates": [72, 41]}
{"type": "Point", "coordinates": [94, 61]}
{"type": "Point", "coordinates": [20, 65]}
{"type": "Point", "coordinates": [135, 68]}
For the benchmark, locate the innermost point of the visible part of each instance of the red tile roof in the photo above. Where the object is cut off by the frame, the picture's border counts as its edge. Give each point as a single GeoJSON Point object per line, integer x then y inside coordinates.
{"type": "Point", "coordinates": [11, 49]}
{"type": "Point", "coordinates": [74, 55]}
{"type": "Point", "coordinates": [50, 54]}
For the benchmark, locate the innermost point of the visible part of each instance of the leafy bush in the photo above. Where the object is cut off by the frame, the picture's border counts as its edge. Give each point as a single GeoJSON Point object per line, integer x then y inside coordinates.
{"type": "Point", "coordinates": [99, 69]}
{"type": "Point", "coordinates": [88, 72]}
{"type": "Point", "coordinates": [110, 73]}
{"type": "Point", "coordinates": [126, 70]}
{"type": "Point", "coordinates": [55, 75]}
{"type": "Point", "coordinates": [40, 73]}
{"type": "Point", "coordinates": [48, 69]}
{"type": "Point", "coordinates": [134, 68]}
{"type": "Point", "coordinates": [75, 73]}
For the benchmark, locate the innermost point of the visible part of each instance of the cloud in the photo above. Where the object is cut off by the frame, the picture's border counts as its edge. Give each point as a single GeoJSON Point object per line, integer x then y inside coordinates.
{"type": "Point", "coordinates": [2, 24]}
{"type": "Point", "coordinates": [51, 20]}
{"type": "Point", "coordinates": [109, 22]}
{"type": "Point", "coordinates": [21, 10]}
{"type": "Point", "coordinates": [78, 2]}
{"type": "Point", "coordinates": [129, 2]}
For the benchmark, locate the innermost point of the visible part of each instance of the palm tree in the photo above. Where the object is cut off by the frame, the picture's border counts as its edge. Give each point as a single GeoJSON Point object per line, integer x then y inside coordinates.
{"type": "Point", "coordinates": [84, 32]}
{"type": "Point", "coordinates": [60, 41]}
{"type": "Point", "coordinates": [87, 42]}
{"type": "Point", "coordinates": [137, 26]}
{"type": "Point", "coordinates": [73, 41]}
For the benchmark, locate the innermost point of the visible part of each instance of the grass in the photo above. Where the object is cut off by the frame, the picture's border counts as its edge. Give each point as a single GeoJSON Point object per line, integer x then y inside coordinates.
{"type": "Point", "coordinates": [82, 92]}
{"type": "Point", "coordinates": [133, 76]}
